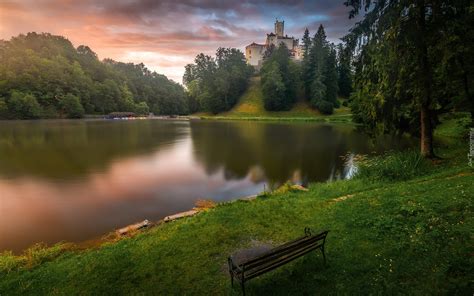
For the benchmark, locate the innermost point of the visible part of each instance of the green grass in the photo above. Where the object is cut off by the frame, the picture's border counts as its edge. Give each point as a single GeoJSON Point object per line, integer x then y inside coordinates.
{"type": "Point", "coordinates": [250, 107]}
{"type": "Point", "coordinates": [409, 235]}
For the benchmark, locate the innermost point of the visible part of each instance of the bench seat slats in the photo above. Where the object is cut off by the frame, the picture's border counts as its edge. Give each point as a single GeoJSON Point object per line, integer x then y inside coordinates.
{"type": "Point", "coordinates": [276, 257]}
{"type": "Point", "coordinates": [256, 272]}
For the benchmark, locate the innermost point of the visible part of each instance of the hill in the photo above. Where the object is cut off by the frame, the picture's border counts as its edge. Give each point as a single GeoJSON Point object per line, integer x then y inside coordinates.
{"type": "Point", "coordinates": [250, 107]}
{"type": "Point", "coordinates": [45, 76]}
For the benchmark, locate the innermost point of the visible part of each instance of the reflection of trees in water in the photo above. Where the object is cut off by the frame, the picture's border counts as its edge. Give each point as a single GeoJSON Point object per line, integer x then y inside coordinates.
{"type": "Point", "coordinates": [299, 152]}
{"type": "Point", "coordinates": [72, 148]}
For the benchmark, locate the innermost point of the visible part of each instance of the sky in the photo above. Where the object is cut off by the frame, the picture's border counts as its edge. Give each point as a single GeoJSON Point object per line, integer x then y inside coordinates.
{"type": "Point", "coordinates": [167, 34]}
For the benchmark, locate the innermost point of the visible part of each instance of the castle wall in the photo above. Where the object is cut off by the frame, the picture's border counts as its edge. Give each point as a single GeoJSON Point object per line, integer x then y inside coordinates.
{"type": "Point", "coordinates": [254, 54]}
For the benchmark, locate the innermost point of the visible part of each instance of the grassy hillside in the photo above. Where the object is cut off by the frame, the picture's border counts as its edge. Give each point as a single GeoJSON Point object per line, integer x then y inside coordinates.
{"type": "Point", "coordinates": [410, 235]}
{"type": "Point", "coordinates": [250, 106]}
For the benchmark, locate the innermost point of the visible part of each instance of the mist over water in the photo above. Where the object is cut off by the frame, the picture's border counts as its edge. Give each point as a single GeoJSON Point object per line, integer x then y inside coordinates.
{"type": "Point", "coordinates": [76, 180]}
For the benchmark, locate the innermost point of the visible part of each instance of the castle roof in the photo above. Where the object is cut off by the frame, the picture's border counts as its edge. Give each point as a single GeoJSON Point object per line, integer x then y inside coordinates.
{"type": "Point", "coordinates": [254, 44]}
{"type": "Point", "coordinates": [271, 34]}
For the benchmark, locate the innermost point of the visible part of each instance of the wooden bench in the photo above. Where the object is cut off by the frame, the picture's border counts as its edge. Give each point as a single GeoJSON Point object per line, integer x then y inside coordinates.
{"type": "Point", "coordinates": [248, 268]}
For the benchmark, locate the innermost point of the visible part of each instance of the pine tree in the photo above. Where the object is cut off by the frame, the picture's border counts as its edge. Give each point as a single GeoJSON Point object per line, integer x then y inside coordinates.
{"type": "Point", "coordinates": [307, 65]}
{"type": "Point", "coordinates": [330, 77]}
{"type": "Point", "coordinates": [318, 54]}
{"type": "Point", "coordinates": [344, 71]}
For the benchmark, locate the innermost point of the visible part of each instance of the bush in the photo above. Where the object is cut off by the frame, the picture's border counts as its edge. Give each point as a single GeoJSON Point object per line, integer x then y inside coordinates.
{"type": "Point", "coordinates": [10, 262]}
{"type": "Point", "coordinates": [393, 166]}
{"type": "Point", "coordinates": [324, 107]}
{"type": "Point", "coordinates": [142, 108]}
{"type": "Point", "coordinates": [40, 253]}
{"type": "Point", "coordinates": [3, 108]}
{"type": "Point", "coordinates": [23, 106]}
{"type": "Point", "coordinates": [71, 106]}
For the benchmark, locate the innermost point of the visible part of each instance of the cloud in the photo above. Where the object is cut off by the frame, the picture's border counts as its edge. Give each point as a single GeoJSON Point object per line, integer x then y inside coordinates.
{"type": "Point", "coordinates": [174, 31]}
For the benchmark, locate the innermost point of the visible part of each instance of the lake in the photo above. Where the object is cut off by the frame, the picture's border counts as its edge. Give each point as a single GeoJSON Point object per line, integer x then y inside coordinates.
{"type": "Point", "coordinates": [74, 180]}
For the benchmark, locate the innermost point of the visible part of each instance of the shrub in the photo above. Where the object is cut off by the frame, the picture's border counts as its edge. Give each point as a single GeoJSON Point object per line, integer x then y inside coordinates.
{"type": "Point", "coordinates": [10, 262]}
{"type": "Point", "coordinates": [142, 108]}
{"type": "Point", "coordinates": [71, 106]}
{"type": "Point", "coordinates": [24, 105]}
{"type": "Point", "coordinates": [40, 253]}
{"type": "Point", "coordinates": [324, 107]}
{"type": "Point", "coordinates": [393, 166]}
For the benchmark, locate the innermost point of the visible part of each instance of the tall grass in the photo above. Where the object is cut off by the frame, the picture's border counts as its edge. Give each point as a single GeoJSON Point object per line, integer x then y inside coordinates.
{"type": "Point", "coordinates": [31, 257]}
{"type": "Point", "coordinates": [392, 166]}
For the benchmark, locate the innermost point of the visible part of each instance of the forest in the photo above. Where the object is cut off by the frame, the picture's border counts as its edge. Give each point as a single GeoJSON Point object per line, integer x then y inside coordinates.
{"type": "Point", "coordinates": [44, 76]}
{"type": "Point", "coordinates": [412, 62]}
{"type": "Point", "coordinates": [215, 84]}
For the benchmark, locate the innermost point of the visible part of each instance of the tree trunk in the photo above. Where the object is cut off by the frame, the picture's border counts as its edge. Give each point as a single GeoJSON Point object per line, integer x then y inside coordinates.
{"type": "Point", "coordinates": [426, 132]}
{"type": "Point", "coordinates": [426, 115]}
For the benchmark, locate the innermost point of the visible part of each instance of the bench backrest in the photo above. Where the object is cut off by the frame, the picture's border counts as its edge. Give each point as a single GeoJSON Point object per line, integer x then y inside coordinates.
{"type": "Point", "coordinates": [283, 254]}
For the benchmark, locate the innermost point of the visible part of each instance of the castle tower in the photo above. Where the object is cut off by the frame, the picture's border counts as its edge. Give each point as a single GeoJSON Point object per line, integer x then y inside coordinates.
{"type": "Point", "coordinates": [279, 28]}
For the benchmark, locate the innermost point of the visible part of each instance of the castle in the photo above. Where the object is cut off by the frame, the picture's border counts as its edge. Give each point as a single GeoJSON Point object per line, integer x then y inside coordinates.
{"type": "Point", "coordinates": [254, 52]}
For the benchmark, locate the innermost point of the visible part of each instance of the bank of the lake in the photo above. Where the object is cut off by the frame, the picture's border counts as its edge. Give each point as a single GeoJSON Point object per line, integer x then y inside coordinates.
{"type": "Point", "coordinates": [250, 107]}
{"type": "Point", "coordinates": [410, 235]}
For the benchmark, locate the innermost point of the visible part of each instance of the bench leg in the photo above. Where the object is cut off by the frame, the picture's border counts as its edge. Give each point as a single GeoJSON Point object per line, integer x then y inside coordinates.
{"type": "Point", "coordinates": [242, 284]}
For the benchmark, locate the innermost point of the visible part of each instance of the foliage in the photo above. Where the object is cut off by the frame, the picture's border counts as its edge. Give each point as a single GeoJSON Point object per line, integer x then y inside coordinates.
{"type": "Point", "coordinates": [215, 84]}
{"type": "Point", "coordinates": [71, 106]}
{"type": "Point", "coordinates": [39, 71]}
{"type": "Point", "coordinates": [393, 166]}
{"type": "Point", "coordinates": [23, 106]}
{"type": "Point", "coordinates": [344, 71]}
{"type": "Point", "coordinates": [280, 80]}
{"type": "Point", "coordinates": [320, 73]}
{"type": "Point", "coordinates": [273, 88]}
{"type": "Point", "coordinates": [323, 106]}
{"type": "Point", "coordinates": [402, 82]}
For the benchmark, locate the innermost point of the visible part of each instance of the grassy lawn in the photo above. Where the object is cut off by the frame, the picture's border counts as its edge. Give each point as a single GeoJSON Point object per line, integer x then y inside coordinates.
{"type": "Point", "coordinates": [250, 107]}
{"type": "Point", "coordinates": [406, 236]}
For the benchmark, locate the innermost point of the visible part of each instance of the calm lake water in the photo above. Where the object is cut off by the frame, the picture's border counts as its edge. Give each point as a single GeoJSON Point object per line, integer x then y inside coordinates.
{"type": "Point", "coordinates": [76, 180]}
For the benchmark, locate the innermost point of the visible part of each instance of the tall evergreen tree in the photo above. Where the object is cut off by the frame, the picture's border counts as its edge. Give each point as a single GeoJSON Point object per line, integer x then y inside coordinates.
{"type": "Point", "coordinates": [307, 65]}
{"type": "Point", "coordinates": [280, 58]}
{"type": "Point", "coordinates": [330, 77]}
{"type": "Point", "coordinates": [319, 85]}
{"type": "Point", "coordinates": [400, 47]}
{"type": "Point", "coordinates": [344, 76]}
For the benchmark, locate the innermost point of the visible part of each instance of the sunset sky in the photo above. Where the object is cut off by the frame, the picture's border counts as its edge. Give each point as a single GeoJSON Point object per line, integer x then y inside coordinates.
{"type": "Point", "coordinates": [167, 34]}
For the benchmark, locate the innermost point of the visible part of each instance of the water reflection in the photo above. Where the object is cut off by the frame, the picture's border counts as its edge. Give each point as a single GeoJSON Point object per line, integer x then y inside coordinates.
{"type": "Point", "coordinates": [75, 180]}
{"type": "Point", "coordinates": [299, 152]}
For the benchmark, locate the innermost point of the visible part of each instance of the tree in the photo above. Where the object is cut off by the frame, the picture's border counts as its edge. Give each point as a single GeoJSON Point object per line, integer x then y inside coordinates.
{"type": "Point", "coordinates": [215, 84]}
{"type": "Point", "coordinates": [344, 78]}
{"type": "Point", "coordinates": [323, 87]}
{"type": "Point", "coordinates": [399, 53]}
{"type": "Point", "coordinates": [23, 106]}
{"type": "Point", "coordinates": [287, 74]}
{"type": "Point", "coordinates": [330, 78]}
{"type": "Point", "coordinates": [273, 88]}
{"type": "Point", "coordinates": [49, 67]}
{"type": "Point", "coordinates": [3, 109]}
{"type": "Point", "coordinates": [142, 108]}
{"type": "Point", "coordinates": [71, 106]}
{"type": "Point", "coordinates": [307, 65]}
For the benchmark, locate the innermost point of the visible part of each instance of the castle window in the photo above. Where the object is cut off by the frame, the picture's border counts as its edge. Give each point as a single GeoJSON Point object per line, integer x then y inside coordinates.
{"type": "Point", "coordinates": [250, 51]}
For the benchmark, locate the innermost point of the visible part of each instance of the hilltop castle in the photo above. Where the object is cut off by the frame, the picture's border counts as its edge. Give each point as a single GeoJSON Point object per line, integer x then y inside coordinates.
{"type": "Point", "coordinates": [254, 52]}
